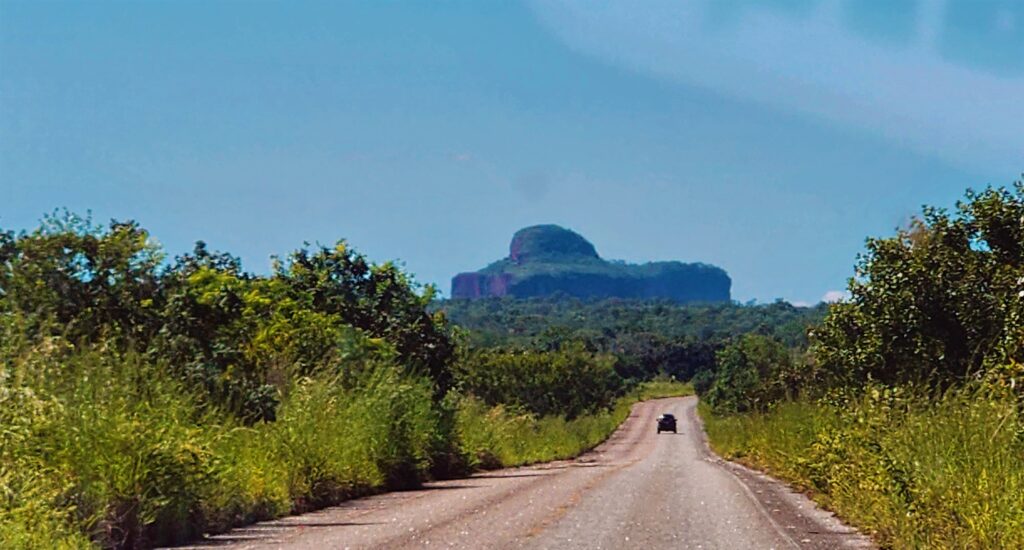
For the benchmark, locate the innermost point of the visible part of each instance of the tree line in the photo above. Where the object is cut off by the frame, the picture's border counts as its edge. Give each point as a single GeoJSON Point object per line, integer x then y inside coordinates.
{"type": "Point", "coordinates": [938, 305]}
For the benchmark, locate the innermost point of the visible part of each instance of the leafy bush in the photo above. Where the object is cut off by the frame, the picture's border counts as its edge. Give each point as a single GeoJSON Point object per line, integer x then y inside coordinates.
{"type": "Point", "coordinates": [753, 372]}
{"type": "Point", "coordinates": [143, 404]}
{"type": "Point", "coordinates": [913, 470]}
{"type": "Point", "coordinates": [496, 436]}
{"type": "Point", "coordinates": [381, 300]}
{"type": "Point", "coordinates": [81, 281]}
{"type": "Point", "coordinates": [917, 434]}
{"type": "Point", "coordinates": [566, 382]}
{"type": "Point", "coordinates": [938, 303]}
{"type": "Point", "coordinates": [648, 338]}
{"type": "Point", "coordinates": [234, 339]}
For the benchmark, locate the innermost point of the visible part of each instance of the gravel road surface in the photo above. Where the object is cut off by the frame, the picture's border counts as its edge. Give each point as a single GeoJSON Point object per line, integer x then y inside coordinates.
{"type": "Point", "coordinates": [637, 490]}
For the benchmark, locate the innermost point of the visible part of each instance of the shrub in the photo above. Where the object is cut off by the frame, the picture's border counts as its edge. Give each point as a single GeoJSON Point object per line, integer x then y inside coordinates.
{"type": "Point", "coordinates": [753, 372]}
{"type": "Point", "coordinates": [937, 303]}
{"type": "Point", "coordinates": [496, 436]}
{"type": "Point", "coordinates": [913, 470]}
{"type": "Point", "coordinates": [568, 382]}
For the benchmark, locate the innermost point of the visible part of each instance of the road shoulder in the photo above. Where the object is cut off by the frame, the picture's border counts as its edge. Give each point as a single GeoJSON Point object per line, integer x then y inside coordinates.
{"type": "Point", "coordinates": [795, 515]}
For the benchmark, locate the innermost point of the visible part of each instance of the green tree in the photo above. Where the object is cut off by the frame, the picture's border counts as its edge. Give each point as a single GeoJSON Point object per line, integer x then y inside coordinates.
{"type": "Point", "coordinates": [568, 381]}
{"type": "Point", "coordinates": [753, 372]}
{"type": "Point", "coordinates": [938, 302]}
{"type": "Point", "coordinates": [238, 337]}
{"type": "Point", "coordinates": [84, 281]}
{"type": "Point", "coordinates": [381, 300]}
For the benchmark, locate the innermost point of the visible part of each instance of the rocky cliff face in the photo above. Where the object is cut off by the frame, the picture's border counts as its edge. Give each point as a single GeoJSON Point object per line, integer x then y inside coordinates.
{"type": "Point", "coordinates": [548, 259]}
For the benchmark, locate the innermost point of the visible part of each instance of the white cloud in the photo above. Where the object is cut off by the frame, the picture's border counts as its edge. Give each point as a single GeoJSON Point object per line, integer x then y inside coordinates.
{"type": "Point", "coordinates": [833, 296]}
{"type": "Point", "coordinates": [800, 303]}
{"type": "Point", "coordinates": [810, 63]}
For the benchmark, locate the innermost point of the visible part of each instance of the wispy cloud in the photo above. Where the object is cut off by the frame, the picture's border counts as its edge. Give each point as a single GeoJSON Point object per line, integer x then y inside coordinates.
{"type": "Point", "coordinates": [912, 92]}
{"type": "Point", "coordinates": [833, 296]}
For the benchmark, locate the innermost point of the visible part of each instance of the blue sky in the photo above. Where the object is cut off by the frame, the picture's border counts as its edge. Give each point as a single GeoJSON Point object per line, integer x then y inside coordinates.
{"type": "Point", "coordinates": [767, 138]}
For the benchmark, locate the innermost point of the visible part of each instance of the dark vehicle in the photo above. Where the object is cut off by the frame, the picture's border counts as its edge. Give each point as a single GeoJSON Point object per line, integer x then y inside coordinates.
{"type": "Point", "coordinates": [667, 423]}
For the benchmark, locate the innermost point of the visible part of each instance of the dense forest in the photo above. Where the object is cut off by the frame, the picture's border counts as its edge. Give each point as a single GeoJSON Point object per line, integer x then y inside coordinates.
{"type": "Point", "coordinates": [648, 338]}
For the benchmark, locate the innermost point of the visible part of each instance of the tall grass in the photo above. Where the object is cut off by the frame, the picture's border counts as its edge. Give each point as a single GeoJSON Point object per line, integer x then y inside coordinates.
{"type": "Point", "coordinates": [659, 388]}
{"type": "Point", "coordinates": [499, 436]}
{"type": "Point", "coordinates": [106, 449]}
{"type": "Point", "coordinates": [914, 472]}
{"type": "Point", "coordinates": [34, 508]}
{"type": "Point", "coordinates": [329, 443]}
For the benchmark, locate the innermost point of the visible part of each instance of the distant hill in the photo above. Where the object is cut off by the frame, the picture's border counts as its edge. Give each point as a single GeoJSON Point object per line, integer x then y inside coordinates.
{"type": "Point", "coordinates": [548, 259]}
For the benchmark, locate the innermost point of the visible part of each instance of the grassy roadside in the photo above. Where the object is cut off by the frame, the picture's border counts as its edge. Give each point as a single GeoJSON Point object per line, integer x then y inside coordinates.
{"type": "Point", "coordinates": [108, 451]}
{"type": "Point", "coordinates": [497, 437]}
{"type": "Point", "coordinates": [910, 471]}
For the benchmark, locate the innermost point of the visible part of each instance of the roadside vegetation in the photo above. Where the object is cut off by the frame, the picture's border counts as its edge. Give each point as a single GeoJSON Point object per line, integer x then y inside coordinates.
{"type": "Point", "coordinates": [146, 401]}
{"type": "Point", "coordinates": [498, 436]}
{"type": "Point", "coordinates": [913, 471]}
{"type": "Point", "coordinates": [647, 338]}
{"type": "Point", "coordinates": [905, 414]}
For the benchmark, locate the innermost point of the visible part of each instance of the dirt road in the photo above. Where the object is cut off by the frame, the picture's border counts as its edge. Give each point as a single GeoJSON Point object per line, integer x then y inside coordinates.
{"type": "Point", "coordinates": [637, 490]}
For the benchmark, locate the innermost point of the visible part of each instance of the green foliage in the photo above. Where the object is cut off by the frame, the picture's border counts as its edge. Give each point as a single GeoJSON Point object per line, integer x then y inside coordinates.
{"type": "Point", "coordinates": [753, 372]}
{"type": "Point", "coordinates": [643, 355]}
{"type": "Point", "coordinates": [34, 510]}
{"type": "Point", "coordinates": [143, 403]}
{"type": "Point", "coordinates": [235, 337]}
{"type": "Point", "coordinates": [505, 321]}
{"type": "Point", "coordinates": [380, 300]}
{"type": "Point", "coordinates": [497, 436]}
{"type": "Point", "coordinates": [569, 381]}
{"type": "Point", "coordinates": [385, 427]}
{"type": "Point", "coordinates": [934, 457]}
{"type": "Point", "coordinates": [116, 440]}
{"type": "Point", "coordinates": [88, 283]}
{"type": "Point", "coordinates": [648, 337]}
{"type": "Point", "coordinates": [912, 470]}
{"type": "Point", "coordinates": [938, 303]}
{"type": "Point", "coordinates": [113, 449]}
{"type": "Point", "coordinates": [109, 446]}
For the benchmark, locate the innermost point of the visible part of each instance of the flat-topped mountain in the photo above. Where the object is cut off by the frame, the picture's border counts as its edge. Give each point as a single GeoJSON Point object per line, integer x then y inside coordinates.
{"type": "Point", "coordinates": [547, 259]}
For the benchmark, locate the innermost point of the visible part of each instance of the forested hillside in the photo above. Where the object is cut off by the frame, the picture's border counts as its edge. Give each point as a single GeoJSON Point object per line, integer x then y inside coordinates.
{"type": "Point", "coordinates": [547, 260]}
